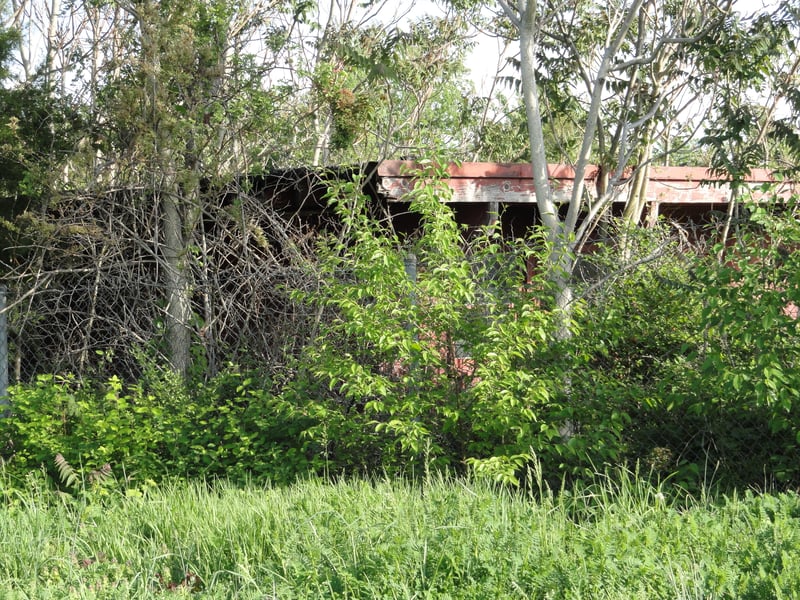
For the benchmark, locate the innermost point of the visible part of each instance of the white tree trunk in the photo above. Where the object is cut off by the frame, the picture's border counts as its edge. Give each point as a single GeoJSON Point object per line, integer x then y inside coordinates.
{"type": "Point", "coordinates": [560, 258]}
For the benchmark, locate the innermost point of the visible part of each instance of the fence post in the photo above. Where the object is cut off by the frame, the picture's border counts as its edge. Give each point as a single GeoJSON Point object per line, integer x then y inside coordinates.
{"type": "Point", "coordinates": [5, 404]}
{"type": "Point", "coordinates": [410, 265]}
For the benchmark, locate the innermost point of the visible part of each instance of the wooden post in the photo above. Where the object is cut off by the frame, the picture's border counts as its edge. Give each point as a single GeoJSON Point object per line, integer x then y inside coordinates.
{"type": "Point", "coordinates": [652, 214]}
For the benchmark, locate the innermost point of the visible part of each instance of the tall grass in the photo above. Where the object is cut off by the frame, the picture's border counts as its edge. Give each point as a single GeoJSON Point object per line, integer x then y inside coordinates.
{"type": "Point", "coordinates": [616, 538]}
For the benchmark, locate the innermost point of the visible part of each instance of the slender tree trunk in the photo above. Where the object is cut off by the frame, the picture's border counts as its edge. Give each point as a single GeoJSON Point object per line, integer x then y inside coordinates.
{"type": "Point", "coordinates": [561, 231]}
{"type": "Point", "coordinates": [562, 236]}
{"type": "Point", "coordinates": [177, 286]}
{"type": "Point", "coordinates": [637, 197]}
{"type": "Point", "coordinates": [323, 140]}
{"type": "Point", "coordinates": [18, 7]}
{"type": "Point", "coordinates": [637, 194]}
{"type": "Point", "coordinates": [560, 258]}
{"type": "Point", "coordinates": [733, 203]}
{"type": "Point", "coordinates": [171, 191]}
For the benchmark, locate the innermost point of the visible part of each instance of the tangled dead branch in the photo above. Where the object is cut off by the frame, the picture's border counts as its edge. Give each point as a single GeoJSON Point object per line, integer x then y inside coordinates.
{"type": "Point", "coordinates": [87, 291]}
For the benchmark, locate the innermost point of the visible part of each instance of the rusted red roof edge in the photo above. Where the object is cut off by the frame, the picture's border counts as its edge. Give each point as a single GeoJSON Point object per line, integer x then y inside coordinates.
{"type": "Point", "coordinates": [479, 170]}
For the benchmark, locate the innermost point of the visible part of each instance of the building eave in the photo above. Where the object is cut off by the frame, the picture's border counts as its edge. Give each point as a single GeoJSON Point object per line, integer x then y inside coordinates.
{"type": "Point", "coordinates": [512, 183]}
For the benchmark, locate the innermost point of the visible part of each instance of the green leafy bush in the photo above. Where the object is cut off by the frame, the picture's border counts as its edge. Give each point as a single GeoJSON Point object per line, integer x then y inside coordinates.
{"type": "Point", "coordinates": [89, 425]}
{"type": "Point", "coordinates": [231, 427]}
{"type": "Point", "coordinates": [234, 427]}
{"type": "Point", "coordinates": [675, 362]}
{"type": "Point", "coordinates": [750, 313]}
{"type": "Point", "coordinates": [698, 357]}
{"type": "Point", "coordinates": [640, 320]}
{"type": "Point", "coordinates": [748, 366]}
{"type": "Point", "coordinates": [702, 356]}
{"type": "Point", "coordinates": [438, 352]}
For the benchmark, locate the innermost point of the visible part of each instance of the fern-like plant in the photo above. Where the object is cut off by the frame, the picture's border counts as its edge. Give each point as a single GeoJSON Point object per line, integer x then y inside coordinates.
{"type": "Point", "coordinates": [72, 478]}
{"type": "Point", "coordinates": [67, 473]}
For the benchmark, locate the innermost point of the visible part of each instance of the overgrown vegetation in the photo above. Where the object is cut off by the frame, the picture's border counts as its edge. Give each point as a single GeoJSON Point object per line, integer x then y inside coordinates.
{"type": "Point", "coordinates": [231, 427]}
{"type": "Point", "coordinates": [463, 364]}
{"type": "Point", "coordinates": [443, 351]}
{"type": "Point", "coordinates": [435, 354]}
{"type": "Point", "coordinates": [206, 339]}
{"type": "Point", "coordinates": [137, 233]}
{"type": "Point", "coordinates": [618, 537]}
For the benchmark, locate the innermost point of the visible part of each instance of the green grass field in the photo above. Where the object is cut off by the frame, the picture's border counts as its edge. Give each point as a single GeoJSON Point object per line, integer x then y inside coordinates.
{"type": "Point", "coordinates": [618, 538]}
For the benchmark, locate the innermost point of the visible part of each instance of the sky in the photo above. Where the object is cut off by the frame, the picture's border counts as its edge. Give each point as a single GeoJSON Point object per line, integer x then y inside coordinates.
{"type": "Point", "coordinates": [489, 53]}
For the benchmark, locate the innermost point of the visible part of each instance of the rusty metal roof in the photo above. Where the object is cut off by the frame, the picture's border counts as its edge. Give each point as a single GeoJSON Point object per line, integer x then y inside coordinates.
{"type": "Point", "coordinates": [512, 183]}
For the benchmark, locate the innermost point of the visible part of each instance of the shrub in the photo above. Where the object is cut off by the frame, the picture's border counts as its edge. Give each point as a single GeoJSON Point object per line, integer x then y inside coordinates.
{"type": "Point", "coordinates": [232, 427]}
{"type": "Point", "coordinates": [701, 355]}
{"type": "Point", "coordinates": [437, 352]}
{"type": "Point", "coordinates": [90, 425]}
{"type": "Point", "coordinates": [235, 427]}
{"type": "Point", "coordinates": [676, 362]}
{"type": "Point", "coordinates": [639, 323]}
{"type": "Point", "coordinates": [748, 366]}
